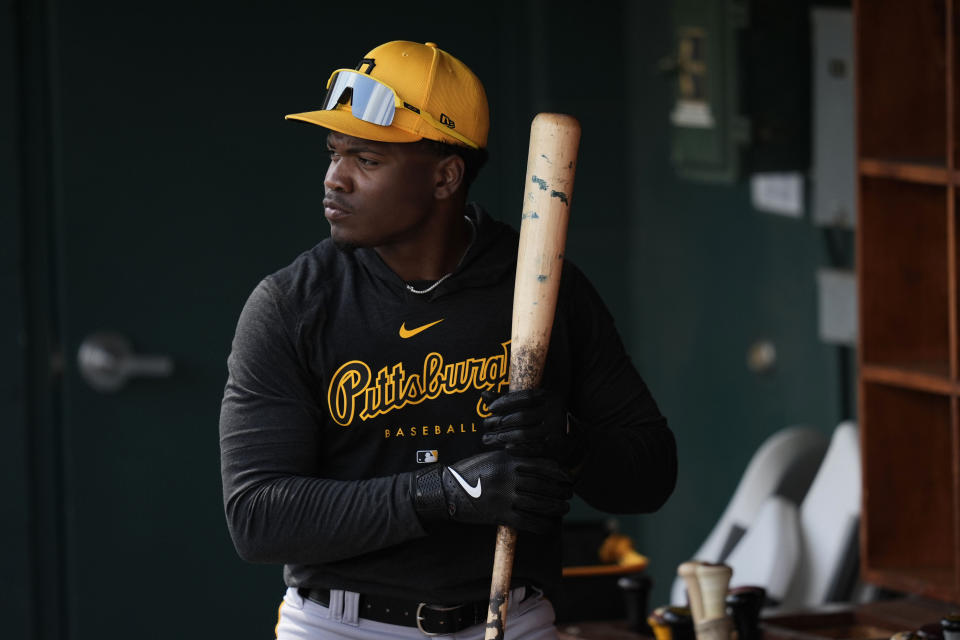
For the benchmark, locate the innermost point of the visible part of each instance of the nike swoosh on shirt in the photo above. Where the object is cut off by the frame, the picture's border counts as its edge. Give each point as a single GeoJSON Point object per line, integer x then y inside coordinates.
{"type": "Point", "coordinates": [473, 492]}
{"type": "Point", "coordinates": [409, 333]}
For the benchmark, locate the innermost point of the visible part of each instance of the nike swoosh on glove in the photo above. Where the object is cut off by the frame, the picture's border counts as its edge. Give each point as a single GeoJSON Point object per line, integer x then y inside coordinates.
{"type": "Point", "coordinates": [529, 494]}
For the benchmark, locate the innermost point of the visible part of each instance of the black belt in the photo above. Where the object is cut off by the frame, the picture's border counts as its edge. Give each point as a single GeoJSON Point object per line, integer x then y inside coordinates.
{"type": "Point", "coordinates": [431, 619]}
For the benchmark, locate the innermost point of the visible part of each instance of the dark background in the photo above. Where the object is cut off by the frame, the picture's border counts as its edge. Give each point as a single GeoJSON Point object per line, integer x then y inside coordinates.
{"type": "Point", "coordinates": [148, 181]}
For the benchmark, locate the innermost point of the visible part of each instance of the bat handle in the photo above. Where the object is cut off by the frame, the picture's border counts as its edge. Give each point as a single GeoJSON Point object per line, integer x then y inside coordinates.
{"type": "Point", "coordinates": [688, 571]}
{"type": "Point", "coordinates": [500, 584]}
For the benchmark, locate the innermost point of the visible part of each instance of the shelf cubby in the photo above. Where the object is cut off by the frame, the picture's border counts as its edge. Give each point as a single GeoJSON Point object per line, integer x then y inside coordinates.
{"type": "Point", "coordinates": [909, 500]}
{"type": "Point", "coordinates": [904, 250]}
{"type": "Point", "coordinates": [901, 79]}
{"type": "Point", "coordinates": [923, 173]}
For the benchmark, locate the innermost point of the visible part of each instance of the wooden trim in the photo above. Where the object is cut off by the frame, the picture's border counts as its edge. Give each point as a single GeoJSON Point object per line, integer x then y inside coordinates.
{"type": "Point", "coordinates": [952, 280]}
{"type": "Point", "coordinates": [952, 292]}
{"type": "Point", "coordinates": [905, 171]}
{"type": "Point", "coordinates": [949, 69]}
{"type": "Point", "coordinates": [955, 463]}
{"type": "Point", "coordinates": [951, 192]}
{"type": "Point", "coordinates": [865, 549]}
{"type": "Point", "coordinates": [820, 622]}
{"type": "Point", "coordinates": [858, 266]}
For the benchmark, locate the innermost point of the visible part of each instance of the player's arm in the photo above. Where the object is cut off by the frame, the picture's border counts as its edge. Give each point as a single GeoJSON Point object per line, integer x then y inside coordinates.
{"type": "Point", "coordinates": [279, 508]}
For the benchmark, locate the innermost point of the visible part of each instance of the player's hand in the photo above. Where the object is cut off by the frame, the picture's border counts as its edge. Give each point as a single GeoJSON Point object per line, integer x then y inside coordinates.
{"type": "Point", "coordinates": [529, 494]}
{"type": "Point", "coordinates": [532, 422]}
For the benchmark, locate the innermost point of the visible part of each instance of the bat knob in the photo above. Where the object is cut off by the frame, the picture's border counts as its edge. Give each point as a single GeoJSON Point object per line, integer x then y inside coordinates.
{"type": "Point", "coordinates": [714, 581]}
{"type": "Point", "coordinates": [744, 604]}
{"type": "Point", "coordinates": [636, 591]}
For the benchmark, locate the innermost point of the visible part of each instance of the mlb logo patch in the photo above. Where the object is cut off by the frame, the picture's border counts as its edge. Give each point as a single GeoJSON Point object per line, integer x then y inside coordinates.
{"type": "Point", "coordinates": [425, 456]}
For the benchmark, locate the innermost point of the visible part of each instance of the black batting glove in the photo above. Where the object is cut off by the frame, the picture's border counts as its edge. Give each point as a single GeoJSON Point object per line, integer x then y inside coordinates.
{"type": "Point", "coordinates": [533, 422]}
{"type": "Point", "coordinates": [529, 494]}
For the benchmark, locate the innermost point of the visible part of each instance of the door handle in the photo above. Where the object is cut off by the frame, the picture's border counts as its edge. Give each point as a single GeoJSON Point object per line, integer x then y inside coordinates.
{"type": "Point", "coordinates": [107, 361]}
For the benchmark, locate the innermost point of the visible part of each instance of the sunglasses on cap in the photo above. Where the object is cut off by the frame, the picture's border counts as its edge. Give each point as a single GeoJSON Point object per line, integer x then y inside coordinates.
{"type": "Point", "coordinates": [375, 102]}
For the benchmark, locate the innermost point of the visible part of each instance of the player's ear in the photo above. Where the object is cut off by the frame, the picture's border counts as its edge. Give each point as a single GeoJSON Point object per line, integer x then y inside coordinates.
{"type": "Point", "coordinates": [448, 177]}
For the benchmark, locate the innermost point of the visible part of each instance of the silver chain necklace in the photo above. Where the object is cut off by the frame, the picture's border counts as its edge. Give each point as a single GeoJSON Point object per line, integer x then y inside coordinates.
{"type": "Point", "coordinates": [473, 236]}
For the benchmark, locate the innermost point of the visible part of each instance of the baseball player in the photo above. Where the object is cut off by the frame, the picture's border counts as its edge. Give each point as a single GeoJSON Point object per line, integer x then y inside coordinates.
{"type": "Point", "coordinates": [368, 439]}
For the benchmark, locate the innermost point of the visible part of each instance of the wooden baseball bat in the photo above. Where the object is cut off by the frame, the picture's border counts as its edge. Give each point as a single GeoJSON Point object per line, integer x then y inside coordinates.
{"type": "Point", "coordinates": [688, 571]}
{"type": "Point", "coordinates": [714, 582]}
{"type": "Point", "coordinates": [548, 192]}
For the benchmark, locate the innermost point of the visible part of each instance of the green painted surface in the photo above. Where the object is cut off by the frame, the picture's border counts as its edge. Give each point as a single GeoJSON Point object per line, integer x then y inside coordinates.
{"type": "Point", "coordinates": [711, 276]}
{"type": "Point", "coordinates": [15, 577]}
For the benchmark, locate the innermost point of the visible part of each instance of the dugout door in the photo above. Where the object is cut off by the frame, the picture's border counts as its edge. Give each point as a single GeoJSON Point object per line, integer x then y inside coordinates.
{"type": "Point", "coordinates": [175, 185]}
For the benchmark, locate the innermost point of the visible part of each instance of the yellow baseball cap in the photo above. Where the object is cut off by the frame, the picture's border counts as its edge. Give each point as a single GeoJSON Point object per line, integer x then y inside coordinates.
{"type": "Point", "coordinates": [404, 91]}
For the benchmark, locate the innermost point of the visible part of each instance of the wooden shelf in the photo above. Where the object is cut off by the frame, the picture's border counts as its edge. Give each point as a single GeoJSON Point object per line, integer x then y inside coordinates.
{"type": "Point", "coordinates": [872, 620]}
{"type": "Point", "coordinates": [930, 378]}
{"type": "Point", "coordinates": [919, 172]}
{"type": "Point", "coordinates": [930, 582]}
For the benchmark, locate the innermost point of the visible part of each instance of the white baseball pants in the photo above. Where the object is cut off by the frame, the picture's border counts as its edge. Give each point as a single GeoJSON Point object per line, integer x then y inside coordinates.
{"type": "Point", "coordinates": [304, 619]}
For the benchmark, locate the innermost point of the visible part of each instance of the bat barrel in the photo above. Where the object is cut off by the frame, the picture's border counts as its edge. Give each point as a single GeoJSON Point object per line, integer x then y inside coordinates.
{"type": "Point", "coordinates": [548, 194]}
